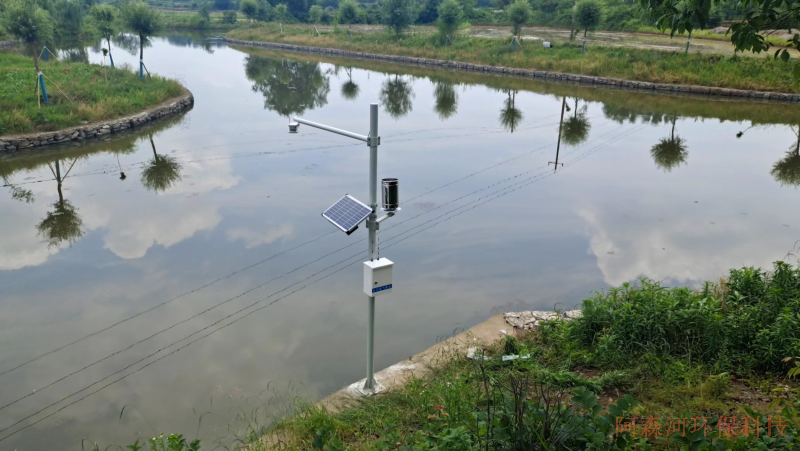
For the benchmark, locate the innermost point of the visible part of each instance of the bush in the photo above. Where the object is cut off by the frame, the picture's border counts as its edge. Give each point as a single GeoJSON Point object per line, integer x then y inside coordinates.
{"type": "Point", "coordinates": [519, 13]}
{"type": "Point", "coordinates": [229, 17]}
{"type": "Point", "coordinates": [349, 12]}
{"type": "Point", "coordinates": [747, 325]}
{"type": "Point", "coordinates": [450, 18]}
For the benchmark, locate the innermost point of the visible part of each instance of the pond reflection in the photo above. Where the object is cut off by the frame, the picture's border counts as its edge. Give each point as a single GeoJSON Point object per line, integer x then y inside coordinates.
{"type": "Point", "coordinates": [220, 207]}
{"type": "Point", "coordinates": [62, 223]}
{"type": "Point", "coordinates": [446, 99]}
{"type": "Point", "coordinates": [289, 87]}
{"type": "Point", "coordinates": [510, 115]}
{"type": "Point", "coordinates": [350, 88]}
{"type": "Point", "coordinates": [396, 94]}
{"type": "Point", "coordinates": [160, 173]}
{"type": "Point", "coordinates": [787, 170]}
{"type": "Point", "coordinates": [670, 152]}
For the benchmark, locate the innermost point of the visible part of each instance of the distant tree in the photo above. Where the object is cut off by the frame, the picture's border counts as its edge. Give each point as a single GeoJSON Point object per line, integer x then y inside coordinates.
{"type": "Point", "coordinates": [298, 8]}
{"type": "Point", "coordinates": [315, 14]}
{"type": "Point", "coordinates": [588, 16]}
{"type": "Point", "coordinates": [144, 21]}
{"type": "Point", "coordinates": [468, 8]}
{"type": "Point", "coordinates": [281, 12]}
{"type": "Point", "coordinates": [429, 12]}
{"type": "Point", "coordinates": [398, 15]}
{"type": "Point", "coordinates": [249, 8]}
{"type": "Point", "coordinates": [450, 17]}
{"type": "Point", "coordinates": [229, 17]}
{"type": "Point", "coordinates": [222, 5]}
{"type": "Point", "coordinates": [349, 12]}
{"type": "Point", "coordinates": [104, 17]}
{"type": "Point", "coordinates": [205, 11]}
{"type": "Point", "coordinates": [29, 23]}
{"type": "Point", "coordinates": [265, 11]}
{"type": "Point", "coordinates": [63, 223]}
{"type": "Point", "coordinates": [519, 13]}
{"type": "Point", "coordinates": [68, 15]}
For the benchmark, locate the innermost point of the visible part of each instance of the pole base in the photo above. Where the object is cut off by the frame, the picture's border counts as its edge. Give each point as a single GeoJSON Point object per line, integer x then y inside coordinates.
{"type": "Point", "coordinates": [359, 388]}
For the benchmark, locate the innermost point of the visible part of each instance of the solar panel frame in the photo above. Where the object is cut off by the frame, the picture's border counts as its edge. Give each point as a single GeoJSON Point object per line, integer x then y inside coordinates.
{"type": "Point", "coordinates": [347, 213]}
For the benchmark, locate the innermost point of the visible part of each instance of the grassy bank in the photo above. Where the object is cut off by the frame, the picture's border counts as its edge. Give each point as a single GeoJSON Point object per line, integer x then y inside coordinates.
{"type": "Point", "coordinates": [634, 64]}
{"type": "Point", "coordinates": [78, 93]}
{"type": "Point", "coordinates": [190, 20]}
{"type": "Point", "coordinates": [710, 356]}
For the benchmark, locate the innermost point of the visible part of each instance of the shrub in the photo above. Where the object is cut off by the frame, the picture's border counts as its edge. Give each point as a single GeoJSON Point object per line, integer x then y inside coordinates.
{"type": "Point", "coordinates": [229, 17]}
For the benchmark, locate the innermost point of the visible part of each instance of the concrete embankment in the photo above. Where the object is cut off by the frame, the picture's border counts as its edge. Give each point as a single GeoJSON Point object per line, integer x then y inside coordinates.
{"type": "Point", "coordinates": [10, 144]}
{"type": "Point", "coordinates": [537, 74]}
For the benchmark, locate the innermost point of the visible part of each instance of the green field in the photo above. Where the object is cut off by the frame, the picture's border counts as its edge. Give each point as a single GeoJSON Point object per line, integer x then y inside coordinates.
{"type": "Point", "coordinates": [764, 74]}
{"type": "Point", "coordinates": [78, 93]}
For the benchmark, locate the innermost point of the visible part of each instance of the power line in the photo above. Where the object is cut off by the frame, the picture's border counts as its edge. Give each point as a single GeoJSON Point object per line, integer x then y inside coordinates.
{"type": "Point", "coordinates": [507, 190]}
{"type": "Point", "coordinates": [232, 274]}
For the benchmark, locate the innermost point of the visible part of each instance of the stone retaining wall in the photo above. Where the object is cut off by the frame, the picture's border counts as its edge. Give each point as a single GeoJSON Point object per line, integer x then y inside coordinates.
{"type": "Point", "coordinates": [533, 73]}
{"type": "Point", "coordinates": [15, 143]}
{"type": "Point", "coordinates": [7, 44]}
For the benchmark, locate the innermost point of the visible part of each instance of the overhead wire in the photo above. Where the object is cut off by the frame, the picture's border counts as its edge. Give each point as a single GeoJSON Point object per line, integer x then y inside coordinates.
{"type": "Point", "coordinates": [487, 197]}
{"type": "Point", "coordinates": [246, 268]}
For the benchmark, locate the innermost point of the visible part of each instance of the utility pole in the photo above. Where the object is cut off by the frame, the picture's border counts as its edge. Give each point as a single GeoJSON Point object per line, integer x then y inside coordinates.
{"type": "Point", "coordinates": [377, 272]}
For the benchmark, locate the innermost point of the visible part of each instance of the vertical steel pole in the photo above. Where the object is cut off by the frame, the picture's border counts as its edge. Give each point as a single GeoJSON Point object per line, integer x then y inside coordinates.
{"type": "Point", "coordinates": [372, 225]}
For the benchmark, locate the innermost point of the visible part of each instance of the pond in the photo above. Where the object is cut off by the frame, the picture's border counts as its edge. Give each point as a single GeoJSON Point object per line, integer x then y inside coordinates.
{"type": "Point", "coordinates": [168, 279]}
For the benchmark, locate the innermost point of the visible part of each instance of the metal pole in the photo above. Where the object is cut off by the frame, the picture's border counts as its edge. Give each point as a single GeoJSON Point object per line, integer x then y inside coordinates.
{"type": "Point", "coordinates": [372, 225]}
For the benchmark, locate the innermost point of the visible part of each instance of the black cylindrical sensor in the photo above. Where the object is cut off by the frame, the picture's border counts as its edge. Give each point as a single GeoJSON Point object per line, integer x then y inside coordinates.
{"type": "Point", "coordinates": [391, 196]}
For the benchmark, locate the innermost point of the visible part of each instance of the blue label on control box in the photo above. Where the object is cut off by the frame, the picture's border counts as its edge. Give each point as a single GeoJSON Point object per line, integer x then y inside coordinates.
{"type": "Point", "coordinates": [385, 287]}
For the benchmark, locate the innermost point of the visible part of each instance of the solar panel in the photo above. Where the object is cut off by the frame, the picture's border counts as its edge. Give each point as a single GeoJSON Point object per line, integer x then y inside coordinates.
{"type": "Point", "coordinates": [347, 213]}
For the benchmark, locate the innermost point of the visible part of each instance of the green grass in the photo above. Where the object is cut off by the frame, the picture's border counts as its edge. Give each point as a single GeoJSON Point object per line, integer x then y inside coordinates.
{"type": "Point", "coordinates": [90, 93]}
{"type": "Point", "coordinates": [179, 20]}
{"type": "Point", "coordinates": [639, 350]}
{"type": "Point", "coordinates": [764, 74]}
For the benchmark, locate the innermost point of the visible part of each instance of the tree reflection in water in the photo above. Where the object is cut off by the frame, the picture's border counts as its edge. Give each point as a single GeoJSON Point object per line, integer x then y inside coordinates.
{"type": "Point", "coordinates": [510, 116]}
{"type": "Point", "coordinates": [289, 87]}
{"type": "Point", "coordinates": [576, 127]}
{"type": "Point", "coordinates": [349, 88]}
{"type": "Point", "coordinates": [160, 173]}
{"type": "Point", "coordinates": [670, 152]}
{"type": "Point", "coordinates": [446, 99]}
{"type": "Point", "coordinates": [396, 97]}
{"type": "Point", "coordinates": [62, 223]}
{"type": "Point", "coordinates": [787, 170]}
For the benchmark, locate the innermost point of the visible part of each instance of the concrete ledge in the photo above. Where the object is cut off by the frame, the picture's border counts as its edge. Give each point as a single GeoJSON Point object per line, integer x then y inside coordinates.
{"type": "Point", "coordinates": [531, 73]}
{"type": "Point", "coordinates": [10, 144]}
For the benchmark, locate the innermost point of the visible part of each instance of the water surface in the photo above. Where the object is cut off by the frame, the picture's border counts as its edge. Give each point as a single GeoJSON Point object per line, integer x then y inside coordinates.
{"type": "Point", "coordinates": [220, 208]}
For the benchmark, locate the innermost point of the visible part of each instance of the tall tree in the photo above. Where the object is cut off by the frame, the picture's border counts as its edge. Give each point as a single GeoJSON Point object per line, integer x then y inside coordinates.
{"type": "Point", "coordinates": [519, 13]}
{"type": "Point", "coordinates": [249, 8]}
{"type": "Point", "coordinates": [349, 12]}
{"type": "Point", "coordinates": [315, 14]}
{"type": "Point", "coordinates": [398, 15]}
{"type": "Point", "coordinates": [144, 21]}
{"type": "Point", "coordinates": [429, 12]}
{"type": "Point", "coordinates": [31, 24]}
{"type": "Point", "coordinates": [588, 16]}
{"type": "Point", "coordinates": [104, 17]}
{"type": "Point", "coordinates": [450, 17]}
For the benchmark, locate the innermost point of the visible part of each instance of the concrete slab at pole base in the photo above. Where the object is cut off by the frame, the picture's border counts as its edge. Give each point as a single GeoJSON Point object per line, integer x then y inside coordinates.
{"type": "Point", "coordinates": [417, 365]}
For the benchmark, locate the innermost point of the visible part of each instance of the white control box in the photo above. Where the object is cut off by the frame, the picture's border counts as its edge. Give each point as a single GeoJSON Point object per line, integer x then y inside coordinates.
{"type": "Point", "coordinates": [378, 277]}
